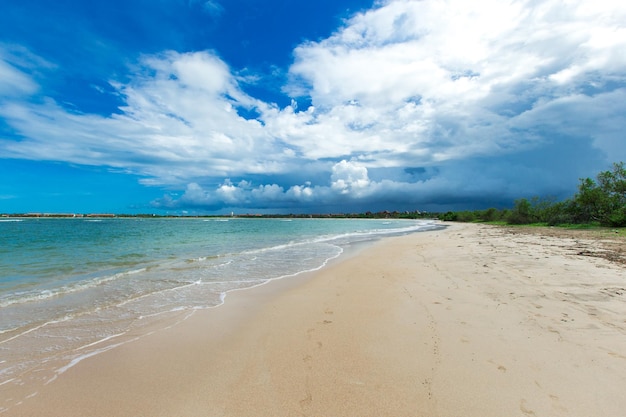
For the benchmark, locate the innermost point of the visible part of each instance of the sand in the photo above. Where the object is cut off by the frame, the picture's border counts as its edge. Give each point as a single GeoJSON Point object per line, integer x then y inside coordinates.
{"type": "Point", "coordinates": [474, 320]}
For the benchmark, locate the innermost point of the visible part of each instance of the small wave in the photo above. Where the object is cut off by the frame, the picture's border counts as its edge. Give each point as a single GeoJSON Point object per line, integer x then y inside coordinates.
{"type": "Point", "coordinates": [158, 292]}
{"type": "Point", "coordinates": [113, 336]}
{"type": "Point", "coordinates": [6, 382]}
{"type": "Point", "coordinates": [131, 272]}
{"type": "Point", "coordinates": [61, 320]}
{"type": "Point", "coordinates": [75, 361]}
{"type": "Point", "coordinates": [258, 283]}
{"type": "Point", "coordinates": [24, 297]}
{"type": "Point", "coordinates": [11, 220]}
{"type": "Point", "coordinates": [202, 258]}
{"type": "Point", "coordinates": [8, 331]}
{"type": "Point", "coordinates": [133, 255]}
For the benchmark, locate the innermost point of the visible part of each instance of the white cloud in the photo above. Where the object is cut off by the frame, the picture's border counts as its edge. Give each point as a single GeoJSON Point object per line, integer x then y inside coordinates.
{"type": "Point", "coordinates": [14, 82]}
{"type": "Point", "coordinates": [452, 66]}
{"type": "Point", "coordinates": [349, 177]}
{"type": "Point", "coordinates": [180, 121]}
{"type": "Point", "coordinates": [349, 187]}
{"type": "Point", "coordinates": [407, 84]}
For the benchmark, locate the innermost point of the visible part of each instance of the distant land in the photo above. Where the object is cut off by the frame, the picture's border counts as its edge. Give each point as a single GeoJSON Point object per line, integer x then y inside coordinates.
{"type": "Point", "coordinates": [377, 215]}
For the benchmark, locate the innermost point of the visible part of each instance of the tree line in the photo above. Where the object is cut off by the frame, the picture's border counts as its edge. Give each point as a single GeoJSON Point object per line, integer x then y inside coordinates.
{"type": "Point", "coordinates": [601, 201]}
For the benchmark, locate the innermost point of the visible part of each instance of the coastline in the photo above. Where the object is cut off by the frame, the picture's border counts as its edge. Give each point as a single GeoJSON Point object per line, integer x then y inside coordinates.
{"type": "Point", "coordinates": [467, 321]}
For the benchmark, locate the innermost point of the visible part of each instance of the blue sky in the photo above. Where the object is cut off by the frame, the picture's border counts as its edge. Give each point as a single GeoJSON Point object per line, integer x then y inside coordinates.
{"type": "Point", "coordinates": [196, 106]}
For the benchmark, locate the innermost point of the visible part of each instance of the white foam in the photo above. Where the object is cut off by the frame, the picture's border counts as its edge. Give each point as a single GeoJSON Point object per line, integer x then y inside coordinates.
{"type": "Point", "coordinates": [7, 381]}
{"type": "Point", "coordinates": [20, 298]}
{"type": "Point", "coordinates": [81, 358]}
{"type": "Point", "coordinates": [66, 318]}
{"type": "Point", "coordinates": [113, 336]}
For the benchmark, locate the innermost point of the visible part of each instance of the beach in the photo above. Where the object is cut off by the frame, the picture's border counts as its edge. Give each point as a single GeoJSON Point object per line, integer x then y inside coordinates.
{"type": "Point", "coordinates": [473, 320]}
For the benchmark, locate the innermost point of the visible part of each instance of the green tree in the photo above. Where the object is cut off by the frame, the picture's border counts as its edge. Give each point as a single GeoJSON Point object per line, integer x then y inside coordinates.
{"type": "Point", "coordinates": [559, 214]}
{"type": "Point", "coordinates": [603, 201]}
{"type": "Point", "coordinates": [466, 216]}
{"type": "Point", "coordinates": [490, 215]}
{"type": "Point", "coordinates": [522, 212]}
{"type": "Point", "coordinates": [613, 184]}
{"type": "Point", "coordinates": [449, 217]}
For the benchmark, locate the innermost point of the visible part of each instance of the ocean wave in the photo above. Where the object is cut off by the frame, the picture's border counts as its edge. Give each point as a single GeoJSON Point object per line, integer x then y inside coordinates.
{"type": "Point", "coordinates": [24, 297]}
{"type": "Point", "coordinates": [347, 236]}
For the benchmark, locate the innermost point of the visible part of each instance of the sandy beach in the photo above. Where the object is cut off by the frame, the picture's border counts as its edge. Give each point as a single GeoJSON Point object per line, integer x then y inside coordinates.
{"type": "Point", "coordinates": [473, 320]}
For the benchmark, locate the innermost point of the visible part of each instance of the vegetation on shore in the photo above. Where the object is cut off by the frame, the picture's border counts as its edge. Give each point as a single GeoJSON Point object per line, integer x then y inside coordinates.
{"type": "Point", "coordinates": [600, 202]}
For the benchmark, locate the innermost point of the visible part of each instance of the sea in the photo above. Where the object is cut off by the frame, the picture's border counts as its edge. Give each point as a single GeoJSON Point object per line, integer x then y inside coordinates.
{"type": "Point", "coordinates": [71, 288]}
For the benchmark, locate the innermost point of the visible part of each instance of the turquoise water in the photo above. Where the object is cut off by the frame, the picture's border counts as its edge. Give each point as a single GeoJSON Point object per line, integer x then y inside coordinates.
{"type": "Point", "coordinates": [70, 288]}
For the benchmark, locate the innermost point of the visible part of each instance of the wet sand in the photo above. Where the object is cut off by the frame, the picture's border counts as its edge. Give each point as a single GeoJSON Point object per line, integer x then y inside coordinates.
{"type": "Point", "coordinates": [470, 321]}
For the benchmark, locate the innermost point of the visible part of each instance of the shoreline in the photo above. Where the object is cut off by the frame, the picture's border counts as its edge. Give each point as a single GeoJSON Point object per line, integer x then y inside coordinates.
{"type": "Point", "coordinates": [136, 272]}
{"type": "Point", "coordinates": [465, 321]}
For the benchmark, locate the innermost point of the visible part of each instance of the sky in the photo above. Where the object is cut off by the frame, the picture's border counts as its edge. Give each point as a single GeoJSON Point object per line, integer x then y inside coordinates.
{"type": "Point", "coordinates": [325, 106]}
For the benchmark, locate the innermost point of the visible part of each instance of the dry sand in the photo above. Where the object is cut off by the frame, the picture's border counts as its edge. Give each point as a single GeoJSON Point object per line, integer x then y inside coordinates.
{"type": "Point", "coordinates": [471, 321]}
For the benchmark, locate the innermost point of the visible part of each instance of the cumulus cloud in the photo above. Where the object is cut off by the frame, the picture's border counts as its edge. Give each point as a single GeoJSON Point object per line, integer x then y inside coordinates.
{"type": "Point", "coordinates": [348, 177]}
{"type": "Point", "coordinates": [350, 189]}
{"type": "Point", "coordinates": [486, 97]}
{"type": "Point", "coordinates": [180, 121]}
{"type": "Point", "coordinates": [240, 195]}
{"type": "Point", "coordinates": [451, 78]}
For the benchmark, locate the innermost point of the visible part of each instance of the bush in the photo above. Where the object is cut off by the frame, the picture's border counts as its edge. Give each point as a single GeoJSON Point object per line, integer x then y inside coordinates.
{"type": "Point", "coordinates": [466, 216]}
{"type": "Point", "coordinates": [522, 213]}
{"type": "Point", "coordinates": [490, 215]}
{"type": "Point", "coordinates": [618, 218]}
{"type": "Point", "coordinates": [449, 217]}
{"type": "Point", "coordinates": [603, 201]}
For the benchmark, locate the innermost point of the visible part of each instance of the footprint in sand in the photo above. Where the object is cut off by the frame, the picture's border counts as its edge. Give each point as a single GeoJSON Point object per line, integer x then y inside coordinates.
{"type": "Point", "coordinates": [524, 409]}
{"type": "Point", "coordinates": [308, 399]}
{"type": "Point", "coordinates": [501, 368]}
